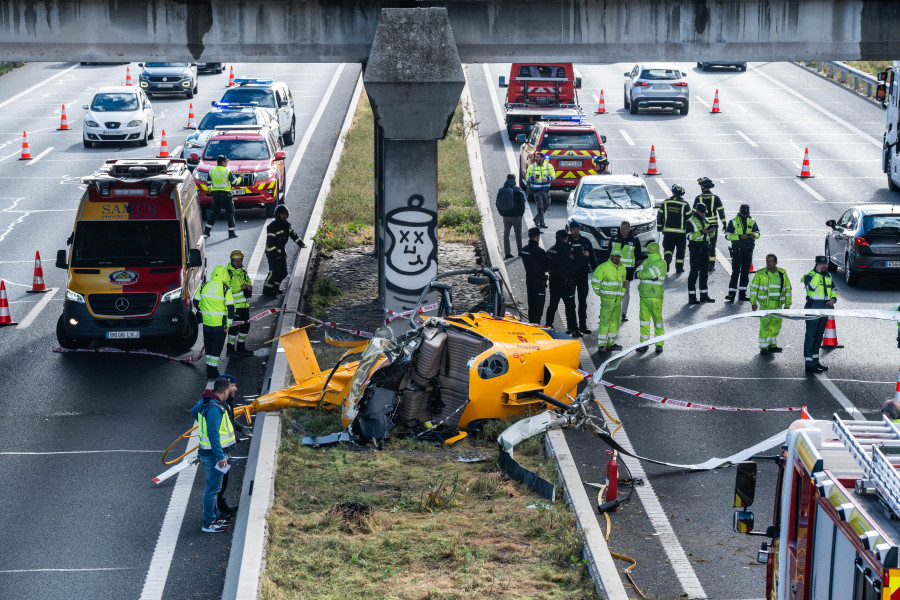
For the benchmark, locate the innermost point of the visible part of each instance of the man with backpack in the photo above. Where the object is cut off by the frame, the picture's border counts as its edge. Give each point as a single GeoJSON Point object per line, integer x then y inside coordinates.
{"type": "Point", "coordinates": [511, 206]}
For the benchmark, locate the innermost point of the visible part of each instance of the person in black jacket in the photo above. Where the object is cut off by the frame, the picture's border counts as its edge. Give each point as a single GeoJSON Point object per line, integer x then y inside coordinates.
{"type": "Point", "coordinates": [511, 206]}
{"type": "Point", "coordinates": [562, 283]}
{"type": "Point", "coordinates": [277, 234]}
{"type": "Point", "coordinates": [585, 263]}
{"type": "Point", "coordinates": [536, 263]}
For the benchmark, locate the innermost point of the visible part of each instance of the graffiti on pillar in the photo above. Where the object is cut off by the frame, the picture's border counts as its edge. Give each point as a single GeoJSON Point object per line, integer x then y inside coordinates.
{"type": "Point", "coordinates": [411, 257]}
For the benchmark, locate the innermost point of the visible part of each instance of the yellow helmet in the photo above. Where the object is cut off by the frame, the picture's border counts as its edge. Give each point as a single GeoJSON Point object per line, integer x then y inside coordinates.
{"type": "Point", "coordinates": [236, 254]}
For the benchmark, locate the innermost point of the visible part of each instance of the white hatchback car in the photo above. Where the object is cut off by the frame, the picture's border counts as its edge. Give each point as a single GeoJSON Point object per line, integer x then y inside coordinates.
{"type": "Point", "coordinates": [118, 114]}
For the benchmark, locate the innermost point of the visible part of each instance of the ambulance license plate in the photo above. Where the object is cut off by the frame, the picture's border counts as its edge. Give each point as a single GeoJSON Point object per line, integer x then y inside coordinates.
{"type": "Point", "coordinates": [122, 335]}
{"type": "Point", "coordinates": [892, 264]}
{"type": "Point", "coordinates": [570, 163]}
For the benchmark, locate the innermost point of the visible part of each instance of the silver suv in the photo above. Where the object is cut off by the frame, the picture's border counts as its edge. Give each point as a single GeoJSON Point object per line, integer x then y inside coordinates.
{"type": "Point", "coordinates": [273, 96]}
{"type": "Point", "coordinates": [657, 85]}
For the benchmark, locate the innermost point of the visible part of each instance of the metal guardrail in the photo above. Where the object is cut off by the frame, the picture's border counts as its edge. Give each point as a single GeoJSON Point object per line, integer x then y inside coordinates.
{"type": "Point", "coordinates": [847, 76]}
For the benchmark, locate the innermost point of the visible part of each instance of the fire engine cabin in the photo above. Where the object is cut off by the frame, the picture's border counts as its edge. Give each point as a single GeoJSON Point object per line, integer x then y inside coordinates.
{"type": "Point", "coordinates": [570, 145]}
{"type": "Point", "coordinates": [836, 532]}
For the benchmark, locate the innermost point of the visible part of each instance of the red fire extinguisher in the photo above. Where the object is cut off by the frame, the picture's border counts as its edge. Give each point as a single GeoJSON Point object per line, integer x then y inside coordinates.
{"type": "Point", "coordinates": [612, 480]}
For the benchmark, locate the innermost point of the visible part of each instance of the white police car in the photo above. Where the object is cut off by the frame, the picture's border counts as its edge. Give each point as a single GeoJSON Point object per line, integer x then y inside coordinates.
{"type": "Point", "coordinates": [224, 114]}
{"type": "Point", "coordinates": [118, 114]}
{"type": "Point", "coordinates": [274, 96]}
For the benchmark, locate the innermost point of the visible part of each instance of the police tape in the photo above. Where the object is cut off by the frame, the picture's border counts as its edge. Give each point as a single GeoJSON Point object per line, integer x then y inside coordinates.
{"type": "Point", "coordinates": [190, 359]}
{"type": "Point", "coordinates": [696, 405]}
{"type": "Point", "coordinates": [392, 316]}
{"type": "Point", "coordinates": [328, 324]}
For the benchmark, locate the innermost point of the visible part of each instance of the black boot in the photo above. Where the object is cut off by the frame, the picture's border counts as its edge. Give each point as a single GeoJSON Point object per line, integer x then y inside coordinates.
{"type": "Point", "coordinates": [231, 233]}
{"type": "Point", "coordinates": [212, 373]}
{"type": "Point", "coordinates": [706, 298]}
{"type": "Point", "coordinates": [242, 349]}
{"type": "Point", "coordinates": [742, 297]}
{"type": "Point", "coordinates": [679, 269]}
{"type": "Point", "coordinates": [729, 298]}
{"type": "Point", "coordinates": [206, 231]}
{"type": "Point", "coordinates": [692, 298]}
{"type": "Point", "coordinates": [230, 351]}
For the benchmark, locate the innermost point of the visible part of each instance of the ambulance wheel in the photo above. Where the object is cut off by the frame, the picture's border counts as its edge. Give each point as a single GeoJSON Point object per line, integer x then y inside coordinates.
{"type": "Point", "coordinates": [187, 341]}
{"type": "Point", "coordinates": [67, 342]}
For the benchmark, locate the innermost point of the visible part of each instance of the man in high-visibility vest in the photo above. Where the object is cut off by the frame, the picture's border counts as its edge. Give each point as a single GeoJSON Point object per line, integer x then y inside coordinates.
{"type": "Point", "coordinates": [697, 234]}
{"type": "Point", "coordinates": [742, 231]}
{"type": "Point", "coordinates": [220, 182]}
{"type": "Point", "coordinates": [216, 305]}
{"type": "Point", "coordinates": [241, 291]}
{"type": "Point", "coordinates": [539, 175]}
{"type": "Point", "coordinates": [714, 209]}
{"type": "Point", "coordinates": [216, 433]}
{"type": "Point", "coordinates": [651, 277]}
{"type": "Point", "coordinates": [609, 283]}
{"type": "Point", "coordinates": [625, 242]}
{"type": "Point", "coordinates": [820, 293]}
{"type": "Point", "coordinates": [671, 220]}
{"type": "Point", "coordinates": [770, 290]}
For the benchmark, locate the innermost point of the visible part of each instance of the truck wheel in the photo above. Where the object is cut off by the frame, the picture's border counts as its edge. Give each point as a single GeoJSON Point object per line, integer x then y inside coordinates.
{"type": "Point", "coordinates": [187, 341]}
{"type": "Point", "coordinates": [891, 185]}
{"type": "Point", "coordinates": [67, 342]}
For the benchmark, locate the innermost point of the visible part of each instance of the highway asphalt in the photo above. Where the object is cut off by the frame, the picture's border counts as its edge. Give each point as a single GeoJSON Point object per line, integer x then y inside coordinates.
{"type": "Point", "coordinates": [83, 433]}
{"type": "Point", "coordinates": [752, 151]}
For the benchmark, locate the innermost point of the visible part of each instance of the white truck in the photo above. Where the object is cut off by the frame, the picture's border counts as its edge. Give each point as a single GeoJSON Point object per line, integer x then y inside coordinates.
{"type": "Point", "coordinates": [889, 95]}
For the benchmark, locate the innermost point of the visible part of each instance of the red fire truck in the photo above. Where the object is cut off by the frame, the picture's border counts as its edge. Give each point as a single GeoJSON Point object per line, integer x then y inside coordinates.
{"type": "Point", "coordinates": [539, 92]}
{"type": "Point", "coordinates": [836, 531]}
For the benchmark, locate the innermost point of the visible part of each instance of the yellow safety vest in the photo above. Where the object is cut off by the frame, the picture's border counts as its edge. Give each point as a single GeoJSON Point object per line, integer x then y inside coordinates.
{"type": "Point", "coordinates": [220, 179]}
{"type": "Point", "coordinates": [627, 251]}
{"type": "Point", "coordinates": [215, 298]}
{"type": "Point", "coordinates": [238, 277]}
{"type": "Point", "coordinates": [226, 431]}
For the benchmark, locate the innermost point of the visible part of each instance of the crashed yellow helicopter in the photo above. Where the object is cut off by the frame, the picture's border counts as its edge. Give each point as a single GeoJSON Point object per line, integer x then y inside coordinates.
{"type": "Point", "coordinates": [445, 376]}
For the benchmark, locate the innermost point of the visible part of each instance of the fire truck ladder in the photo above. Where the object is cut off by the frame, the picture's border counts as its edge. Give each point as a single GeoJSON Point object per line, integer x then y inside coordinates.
{"type": "Point", "coordinates": [876, 447]}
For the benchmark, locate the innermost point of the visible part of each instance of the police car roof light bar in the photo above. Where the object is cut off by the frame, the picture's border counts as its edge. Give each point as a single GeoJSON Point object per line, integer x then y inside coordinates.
{"type": "Point", "coordinates": [563, 120]}
{"type": "Point", "coordinates": [253, 80]}
{"type": "Point", "coordinates": [239, 127]}
{"type": "Point", "coordinates": [220, 104]}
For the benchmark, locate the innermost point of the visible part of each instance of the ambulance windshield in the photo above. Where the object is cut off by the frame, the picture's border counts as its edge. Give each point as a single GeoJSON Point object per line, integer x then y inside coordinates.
{"type": "Point", "coordinates": [127, 244]}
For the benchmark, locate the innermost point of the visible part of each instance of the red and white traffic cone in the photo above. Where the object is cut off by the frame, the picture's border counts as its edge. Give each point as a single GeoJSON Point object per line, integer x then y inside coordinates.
{"type": "Point", "coordinates": [651, 167]}
{"type": "Point", "coordinates": [127, 75]}
{"type": "Point", "coordinates": [26, 152]}
{"type": "Point", "coordinates": [5, 317]}
{"type": "Point", "coordinates": [715, 106]}
{"type": "Point", "coordinates": [752, 269]}
{"type": "Point", "coordinates": [601, 105]}
{"type": "Point", "coordinates": [163, 146]}
{"type": "Point", "coordinates": [804, 414]}
{"type": "Point", "coordinates": [897, 389]}
{"type": "Point", "coordinates": [63, 120]}
{"type": "Point", "coordinates": [231, 76]}
{"type": "Point", "coordinates": [830, 339]}
{"type": "Point", "coordinates": [38, 286]}
{"type": "Point", "coordinates": [190, 122]}
{"type": "Point", "coordinates": [804, 170]}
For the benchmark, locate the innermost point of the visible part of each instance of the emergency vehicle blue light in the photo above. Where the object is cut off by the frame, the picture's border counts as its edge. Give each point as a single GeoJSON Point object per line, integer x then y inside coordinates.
{"type": "Point", "coordinates": [246, 80]}
{"type": "Point", "coordinates": [573, 119]}
{"type": "Point", "coordinates": [219, 104]}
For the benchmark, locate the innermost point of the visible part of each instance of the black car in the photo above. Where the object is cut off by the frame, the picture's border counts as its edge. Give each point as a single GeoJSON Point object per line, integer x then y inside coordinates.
{"type": "Point", "coordinates": [159, 78]}
{"type": "Point", "coordinates": [210, 67]}
{"type": "Point", "coordinates": [865, 241]}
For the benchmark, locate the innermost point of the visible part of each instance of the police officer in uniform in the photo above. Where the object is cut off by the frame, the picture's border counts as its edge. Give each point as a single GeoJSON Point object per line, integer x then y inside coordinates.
{"type": "Point", "coordinates": [216, 305]}
{"type": "Point", "coordinates": [697, 233]}
{"type": "Point", "coordinates": [277, 234]}
{"type": "Point", "coordinates": [671, 220]}
{"type": "Point", "coordinates": [714, 209]}
{"type": "Point", "coordinates": [220, 182]}
{"type": "Point", "coordinates": [536, 263]}
{"type": "Point", "coordinates": [820, 293]}
{"type": "Point", "coordinates": [562, 282]}
{"type": "Point", "coordinates": [241, 291]}
{"type": "Point", "coordinates": [585, 263]}
{"type": "Point", "coordinates": [539, 175]}
{"type": "Point", "coordinates": [743, 232]}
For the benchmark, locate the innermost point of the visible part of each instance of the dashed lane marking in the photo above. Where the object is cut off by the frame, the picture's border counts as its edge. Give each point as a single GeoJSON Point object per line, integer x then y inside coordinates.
{"type": "Point", "coordinates": [34, 312]}
{"type": "Point", "coordinates": [86, 570]}
{"type": "Point", "coordinates": [840, 397]}
{"type": "Point", "coordinates": [627, 137]}
{"type": "Point", "coordinates": [747, 139]}
{"type": "Point", "coordinates": [811, 191]}
{"type": "Point", "coordinates": [37, 86]}
{"type": "Point", "coordinates": [40, 156]}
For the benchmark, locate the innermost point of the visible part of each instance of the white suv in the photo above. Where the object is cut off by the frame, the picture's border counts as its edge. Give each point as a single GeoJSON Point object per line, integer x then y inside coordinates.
{"type": "Point", "coordinates": [656, 85]}
{"type": "Point", "coordinates": [118, 114]}
{"type": "Point", "coordinates": [274, 96]}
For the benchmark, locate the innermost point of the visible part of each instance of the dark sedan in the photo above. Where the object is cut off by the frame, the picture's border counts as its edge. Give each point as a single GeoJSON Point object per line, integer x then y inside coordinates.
{"type": "Point", "coordinates": [865, 241]}
{"type": "Point", "coordinates": [210, 67]}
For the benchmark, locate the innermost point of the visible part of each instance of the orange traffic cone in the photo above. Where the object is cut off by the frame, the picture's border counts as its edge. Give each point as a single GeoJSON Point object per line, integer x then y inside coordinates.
{"type": "Point", "coordinates": [715, 107]}
{"type": "Point", "coordinates": [5, 317]}
{"type": "Point", "coordinates": [804, 170]}
{"type": "Point", "coordinates": [231, 76]}
{"type": "Point", "coordinates": [63, 120]}
{"type": "Point", "coordinates": [830, 339]}
{"type": "Point", "coordinates": [190, 116]}
{"type": "Point", "coordinates": [601, 106]}
{"type": "Point", "coordinates": [804, 414]}
{"type": "Point", "coordinates": [897, 390]}
{"type": "Point", "coordinates": [163, 146]}
{"type": "Point", "coordinates": [751, 268]}
{"type": "Point", "coordinates": [26, 153]}
{"type": "Point", "coordinates": [651, 167]}
{"type": "Point", "coordinates": [38, 286]}
{"type": "Point", "coordinates": [127, 75]}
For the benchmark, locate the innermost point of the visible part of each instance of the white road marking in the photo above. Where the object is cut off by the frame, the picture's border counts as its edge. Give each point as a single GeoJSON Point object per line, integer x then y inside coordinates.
{"type": "Point", "coordinates": [627, 137]}
{"type": "Point", "coordinates": [52, 453]}
{"type": "Point", "coordinates": [840, 397]}
{"type": "Point", "coordinates": [68, 570]}
{"type": "Point", "coordinates": [686, 376]}
{"type": "Point", "coordinates": [746, 139]}
{"type": "Point", "coordinates": [34, 312]}
{"type": "Point", "coordinates": [665, 187]}
{"type": "Point", "coordinates": [722, 259]}
{"type": "Point", "coordinates": [176, 152]}
{"type": "Point", "coordinates": [703, 102]}
{"type": "Point", "coordinates": [40, 156]}
{"type": "Point", "coordinates": [39, 85]}
{"type": "Point", "coordinates": [811, 191]}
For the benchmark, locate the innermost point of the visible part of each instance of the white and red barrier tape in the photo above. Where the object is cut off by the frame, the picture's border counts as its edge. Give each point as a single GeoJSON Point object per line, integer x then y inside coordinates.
{"type": "Point", "coordinates": [328, 324]}
{"type": "Point", "coordinates": [392, 316]}
{"type": "Point", "coordinates": [190, 359]}
{"type": "Point", "coordinates": [684, 404]}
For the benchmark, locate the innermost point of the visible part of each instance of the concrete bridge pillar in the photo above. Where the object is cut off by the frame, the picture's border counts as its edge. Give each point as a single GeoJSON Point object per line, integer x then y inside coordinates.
{"type": "Point", "coordinates": [414, 80]}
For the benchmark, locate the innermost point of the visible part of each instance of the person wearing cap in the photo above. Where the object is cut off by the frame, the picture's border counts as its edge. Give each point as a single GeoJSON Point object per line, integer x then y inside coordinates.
{"type": "Point", "coordinates": [221, 503]}
{"type": "Point", "coordinates": [651, 277]}
{"type": "Point", "coordinates": [511, 206]}
{"type": "Point", "coordinates": [215, 430]}
{"type": "Point", "coordinates": [697, 232]}
{"type": "Point", "coordinates": [671, 219]}
{"type": "Point", "coordinates": [536, 263]}
{"type": "Point", "coordinates": [820, 294]}
{"type": "Point", "coordinates": [585, 263]}
{"type": "Point", "coordinates": [625, 242]}
{"type": "Point", "coordinates": [609, 283]}
{"type": "Point", "coordinates": [539, 175]}
{"type": "Point", "coordinates": [770, 290]}
{"type": "Point", "coordinates": [241, 291]}
{"type": "Point", "coordinates": [562, 283]}
{"type": "Point", "coordinates": [220, 182]}
{"type": "Point", "coordinates": [743, 232]}
{"type": "Point", "coordinates": [277, 234]}
{"type": "Point", "coordinates": [601, 165]}
{"type": "Point", "coordinates": [714, 209]}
